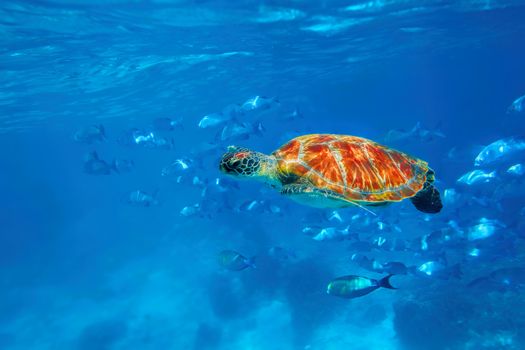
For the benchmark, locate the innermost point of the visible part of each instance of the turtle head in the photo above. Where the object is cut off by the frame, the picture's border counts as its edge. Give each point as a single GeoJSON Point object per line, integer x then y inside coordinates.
{"type": "Point", "coordinates": [242, 162]}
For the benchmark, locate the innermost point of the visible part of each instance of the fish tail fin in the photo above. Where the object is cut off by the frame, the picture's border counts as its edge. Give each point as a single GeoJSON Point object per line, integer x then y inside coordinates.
{"type": "Point", "coordinates": [259, 129]}
{"type": "Point", "coordinates": [385, 282]}
{"type": "Point", "coordinates": [155, 196]}
{"type": "Point", "coordinates": [456, 271]}
{"type": "Point", "coordinates": [91, 156]}
{"type": "Point", "coordinates": [114, 166]}
{"type": "Point", "coordinates": [416, 127]}
{"type": "Point", "coordinates": [412, 270]}
{"type": "Point", "coordinates": [478, 281]}
{"type": "Point", "coordinates": [251, 262]}
{"type": "Point", "coordinates": [179, 124]}
{"type": "Point", "coordinates": [438, 130]}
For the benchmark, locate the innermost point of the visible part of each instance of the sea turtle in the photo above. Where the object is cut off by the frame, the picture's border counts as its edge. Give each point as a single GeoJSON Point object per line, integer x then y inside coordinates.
{"type": "Point", "coordinates": [332, 171]}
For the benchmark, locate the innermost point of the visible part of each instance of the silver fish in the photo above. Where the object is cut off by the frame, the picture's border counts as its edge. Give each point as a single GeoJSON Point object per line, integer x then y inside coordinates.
{"type": "Point", "coordinates": [124, 165]}
{"type": "Point", "coordinates": [484, 229]}
{"type": "Point", "coordinates": [177, 167]}
{"type": "Point", "coordinates": [91, 134]}
{"type": "Point", "coordinates": [517, 106]}
{"type": "Point", "coordinates": [236, 131]}
{"type": "Point", "coordinates": [499, 149]}
{"type": "Point", "coordinates": [190, 210]}
{"type": "Point", "coordinates": [145, 138]}
{"type": "Point", "coordinates": [140, 198]}
{"type": "Point", "coordinates": [93, 165]}
{"type": "Point", "coordinates": [476, 176]}
{"type": "Point", "coordinates": [167, 124]}
{"type": "Point", "coordinates": [213, 120]}
{"type": "Point", "coordinates": [259, 103]}
{"type": "Point", "coordinates": [282, 254]}
{"type": "Point", "coordinates": [450, 196]}
{"type": "Point", "coordinates": [328, 233]}
{"type": "Point", "coordinates": [439, 270]}
{"type": "Point", "coordinates": [418, 132]}
{"type": "Point", "coordinates": [510, 278]}
{"type": "Point", "coordinates": [516, 170]}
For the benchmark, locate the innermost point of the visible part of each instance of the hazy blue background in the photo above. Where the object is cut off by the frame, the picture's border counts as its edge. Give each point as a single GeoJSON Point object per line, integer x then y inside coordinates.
{"type": "Point", "coordinates": [81, 269]}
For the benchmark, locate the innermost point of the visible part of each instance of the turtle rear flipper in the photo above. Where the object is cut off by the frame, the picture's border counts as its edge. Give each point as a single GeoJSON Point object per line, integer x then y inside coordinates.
{"type": "Point", "coordinates": [428, 200]}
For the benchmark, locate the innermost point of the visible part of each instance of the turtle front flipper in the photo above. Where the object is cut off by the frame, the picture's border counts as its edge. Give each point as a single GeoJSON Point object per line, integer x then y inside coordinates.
{"type": "Point", "coordinates": [428, 199]}
{"type": "Point", "coordinates": [314, 197]}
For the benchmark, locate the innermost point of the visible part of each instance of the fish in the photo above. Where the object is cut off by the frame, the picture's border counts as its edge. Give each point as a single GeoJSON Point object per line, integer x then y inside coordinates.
{"type": "Point", "coordinates": [234, 261]}
{"type": "Point", "coordinates": [353, 286]}
{"type": "Point", "coordinates": [418, 133]}
{"type": "Point", "coordinates": [394, 268]}
{"type": "Point", "coordinates": [258, 206]}
{"type": "Point", "coordinates": [328, 233]}
{"type": "Point", "coordinates": [498, 150]}
{"type": "Point", "coordinates": [474, 252]}
{"type": "Point", "coordinates": [259, 103]}
{"type": "Point", "coordinates": [145, 138]}
{"type": "Point", "coordinates": [509, 278]}
{"type": "Point", "coordinates": [390, 268]}
{"type": "Point", "coordinates": [91, 134]}
{"type": "Point", "coordinates": [124, 165]}
{"type": "Point", "coordinates": [484, 229]}
{"type": "Point", "coordinates": [213, 120]}
{"type": "Point", "coordinates": [190, 210]}
{"type": "Point", "coordinates": [516, 170]}
{"type": "Point", "coordinates": [282, 254]}
{"type": "Point", "coordinates": [140, 198]}
{"type": "Point", "coordinates": [166, 124]}
{"type": "Point", "coordinates": [517, 106]}
{"type": "Point", "coordinates": [439, 270]}
{"type": "Point", "coordinates": [365, 262]}
{"type": "Point", "coordinates": [232, 111]}
{"type": "Point", "coordinates": [372, 265]}
{"type": "Point", "coordinates": [161, 143]}
{"type": "Point", "coordinates": [450, 196]}
{"type": "Point", "coordinates": [360, 246]}
{"type": "Point", "coordinates": [477, 176]}
{"type": "Point", "coordinates": [177, 167]}
{"type": "Point", "coordinates": [236, 131]}
{"type": "Point", "coordinates": [455, 227]}
{"type": "Point", "coordinates": [93, 165]}
{"type": "Point", "coordinates": [294, 115]}
{"type": "Point", "coordinates": [335, 216]}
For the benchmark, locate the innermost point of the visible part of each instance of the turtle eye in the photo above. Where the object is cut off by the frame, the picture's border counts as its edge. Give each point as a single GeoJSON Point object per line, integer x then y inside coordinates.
{"type": "Point", "coordinates": [234, 163]}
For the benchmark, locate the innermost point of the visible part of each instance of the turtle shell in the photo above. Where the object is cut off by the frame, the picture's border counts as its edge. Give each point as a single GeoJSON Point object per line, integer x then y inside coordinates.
{"type": "Point", "coordinates": [357, 168]}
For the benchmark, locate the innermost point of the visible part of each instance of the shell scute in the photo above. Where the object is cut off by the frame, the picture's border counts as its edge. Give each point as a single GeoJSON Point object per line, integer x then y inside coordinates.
{"type": "Point", "coordinates": [357, 168]}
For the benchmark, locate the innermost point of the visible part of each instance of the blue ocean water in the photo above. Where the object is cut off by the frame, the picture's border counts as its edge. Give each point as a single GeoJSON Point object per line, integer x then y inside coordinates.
{"type": "Point", "coordinates": [114, 116]}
